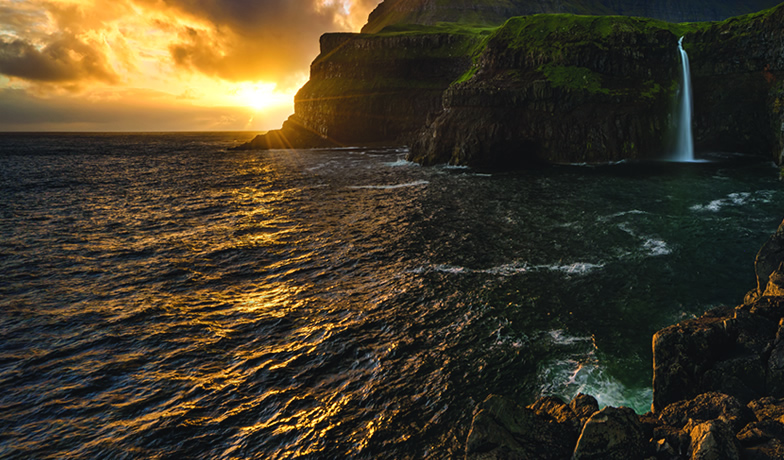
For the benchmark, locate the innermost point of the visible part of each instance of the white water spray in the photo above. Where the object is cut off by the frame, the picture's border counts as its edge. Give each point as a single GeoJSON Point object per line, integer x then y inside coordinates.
{"type": "Point", "coordinates": [684, 145]}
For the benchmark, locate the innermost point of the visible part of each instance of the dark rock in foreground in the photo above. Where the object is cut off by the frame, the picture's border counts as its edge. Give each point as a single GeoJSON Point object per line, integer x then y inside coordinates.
{"type": "Point", "coordinates": [718, 394]}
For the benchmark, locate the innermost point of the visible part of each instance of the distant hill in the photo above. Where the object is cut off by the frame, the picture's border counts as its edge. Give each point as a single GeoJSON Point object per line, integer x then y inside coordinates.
{"type": "Point", "coordinates": [494, 12]}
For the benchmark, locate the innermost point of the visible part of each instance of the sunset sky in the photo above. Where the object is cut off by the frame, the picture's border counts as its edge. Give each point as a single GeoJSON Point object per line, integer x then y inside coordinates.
{"type": "Point", "coordinates": [160, 65]}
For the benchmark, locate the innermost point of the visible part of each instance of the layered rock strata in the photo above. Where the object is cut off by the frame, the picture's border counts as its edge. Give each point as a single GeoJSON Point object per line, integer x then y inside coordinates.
{"type": "Point", "coordinates": [373, 89]}
{"type": "Point", "coordinates": [718, 393]}
{"type": "Point", "coordinates": [561, 88]}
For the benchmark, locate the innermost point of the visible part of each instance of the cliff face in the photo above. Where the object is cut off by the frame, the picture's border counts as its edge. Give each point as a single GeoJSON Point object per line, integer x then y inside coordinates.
{"type": "Point", "coordinates": [737, 74]}
{"type": "Point", "coordinates": [495, 12]}
{"type": "Point", "coordinates": [374, 88]}
{"type": "Point", "coordinates": [559, 88]}
{"type": "Point", "coordinates": [555, 88]}
{"type": "Point", "coordinates": [581, 89]}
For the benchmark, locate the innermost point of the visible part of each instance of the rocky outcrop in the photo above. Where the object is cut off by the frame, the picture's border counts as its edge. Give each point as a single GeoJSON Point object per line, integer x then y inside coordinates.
{"type": "Point", "coordinates": [718, 394]}
{"type": "Point", "coordinates": [710, 426]}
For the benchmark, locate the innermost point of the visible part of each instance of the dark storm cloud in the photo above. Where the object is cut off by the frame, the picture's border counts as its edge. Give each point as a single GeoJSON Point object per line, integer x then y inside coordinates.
{"type": "Point", "coordinates": [63, 59]}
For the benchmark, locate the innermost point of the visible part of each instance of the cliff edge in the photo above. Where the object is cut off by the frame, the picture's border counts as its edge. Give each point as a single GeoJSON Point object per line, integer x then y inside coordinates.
{"type": "Point", "coordinates": [573, 89]}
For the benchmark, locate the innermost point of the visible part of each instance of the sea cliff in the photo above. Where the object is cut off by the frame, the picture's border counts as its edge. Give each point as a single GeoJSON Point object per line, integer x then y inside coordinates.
{"type": "Point", "coordinates": [718, 387]}
{"type": "Point", "coordinates": [413, 77]}
{"type": "Point", "coordinates": [375, 88]}
{"type": "Point", "coordinates": [563, 88]}
{"type": "Point", "coordinates": [559, 89]}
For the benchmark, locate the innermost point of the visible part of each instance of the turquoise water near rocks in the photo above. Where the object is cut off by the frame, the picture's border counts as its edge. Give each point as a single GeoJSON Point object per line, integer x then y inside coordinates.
{"type": "Point", "coordinates": [165, 297]}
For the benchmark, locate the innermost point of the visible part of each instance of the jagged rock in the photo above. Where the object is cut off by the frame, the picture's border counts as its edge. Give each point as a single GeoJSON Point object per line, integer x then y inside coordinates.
{"type": "Point", "coordinates": [713, 440]}
{"type": "Point", "coordinates": [762, 440]}
{"type": "Point", "coordinates": [559, 411]}
{"type": "Point", "coordinates": [293, 134]}
{"type": "Point", "coordinates": [670, 440]}
{"type": "Point", "coordinates": [706, 407]}
{"type": "Point", "coordinates": [725, 350]}
{"type": "Point", "coordinates": [583, 406]}
{"type": "Point", "coordinates": [767, 263]}
{"type": "Point", "coordinates": [503, 430]}
{"type": "Point", "coordinates": [612, 433]}
{"type": "Point", "coordinates": [768, 408]}
{"type": "Point", "coordinates": [683, 352]}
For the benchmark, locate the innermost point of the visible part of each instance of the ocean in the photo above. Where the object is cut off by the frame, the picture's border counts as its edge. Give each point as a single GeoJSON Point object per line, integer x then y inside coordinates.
{"type": "Point", "coordinates": [163, 296]}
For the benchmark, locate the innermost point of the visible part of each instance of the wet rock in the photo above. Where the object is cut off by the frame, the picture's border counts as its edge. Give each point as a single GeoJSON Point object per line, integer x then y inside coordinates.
{"type": "Point", "coordinates": [583, 406]}
{"type": "Point", "coordinates": [764, 438]}
{"type": "Point", "coordinates": [555, 408]}
{"type": "Point", "coordinates": [682, 353]}
{"type": "Point", "coordinates": [713, 440]}
{"type": "Point", "coordinates": [503, 430]}
{"type": "Point", "coordinates": [612, 433]}
{"type": "Point", "coordinates": [726, 350]}
{"type": "Point", "coordinates": [670, 440]}
{"type": "Point", "coordinates": [768, 267]}
{"type": "Point", "coordinates": [706, 407]}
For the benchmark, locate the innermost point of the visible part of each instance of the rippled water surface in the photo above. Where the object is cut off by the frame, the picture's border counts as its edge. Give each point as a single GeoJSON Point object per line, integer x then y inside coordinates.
{"type": "Point", "coordinates": [164, 297]}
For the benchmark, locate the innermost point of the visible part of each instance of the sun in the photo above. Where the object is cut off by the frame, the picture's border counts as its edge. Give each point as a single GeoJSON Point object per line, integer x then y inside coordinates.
{"type": "Point", "coordinates": [261, 96]}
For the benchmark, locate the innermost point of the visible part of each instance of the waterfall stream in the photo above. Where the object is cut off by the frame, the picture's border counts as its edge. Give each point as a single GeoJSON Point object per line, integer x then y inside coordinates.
{"type": "Point", "coordinates": [684, 145]}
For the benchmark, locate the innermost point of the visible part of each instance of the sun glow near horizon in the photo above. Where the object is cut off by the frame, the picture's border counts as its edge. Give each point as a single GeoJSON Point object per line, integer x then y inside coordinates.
{"type": "Point", "coordinates": [143, 64]}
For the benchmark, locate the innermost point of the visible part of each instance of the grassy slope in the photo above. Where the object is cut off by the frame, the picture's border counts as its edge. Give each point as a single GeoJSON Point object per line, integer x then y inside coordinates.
{"type": "Point", "coordinates": [494, 12]}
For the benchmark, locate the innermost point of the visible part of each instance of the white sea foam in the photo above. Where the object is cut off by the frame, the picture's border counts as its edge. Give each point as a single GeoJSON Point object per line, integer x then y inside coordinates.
{"type": "Point", "coordinates": [559, 337]}
{"type": "Point", "coordinates": [657, 247]}
{"type": "Point", "coordinates": [514, 268]}
{"type": "Point", "coordinates": [622, 214]}
{"type": "Point", "coordinates": [400, 163]}
{"type": "Point", "coordinates": [508, 269]}
{"type": "Point", "coordinates": [568, 377]}
{"type": "Point", "coordinates": [391, 187]}
{"type": "Point", "coordinates": [577, 268]}
{"type": "Point", "coordinates": [733, 199]}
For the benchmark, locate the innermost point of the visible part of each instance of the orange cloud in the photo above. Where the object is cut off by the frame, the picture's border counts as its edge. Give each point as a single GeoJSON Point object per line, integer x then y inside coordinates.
{"type": "Point", "coordinates": [211, 50]}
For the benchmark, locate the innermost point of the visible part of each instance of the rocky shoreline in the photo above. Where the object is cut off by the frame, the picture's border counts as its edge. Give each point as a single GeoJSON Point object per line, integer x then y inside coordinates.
{"type": "Point", "coordinates": [718, 393]}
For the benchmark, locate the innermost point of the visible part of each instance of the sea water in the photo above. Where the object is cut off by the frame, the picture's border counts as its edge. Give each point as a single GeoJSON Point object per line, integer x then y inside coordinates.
{"type": "Point", "coordinates": [162, 296]}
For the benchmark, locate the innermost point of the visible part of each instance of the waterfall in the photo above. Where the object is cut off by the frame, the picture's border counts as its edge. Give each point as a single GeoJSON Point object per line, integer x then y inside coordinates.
{"type": "Point", "coordinates": [684, 145]}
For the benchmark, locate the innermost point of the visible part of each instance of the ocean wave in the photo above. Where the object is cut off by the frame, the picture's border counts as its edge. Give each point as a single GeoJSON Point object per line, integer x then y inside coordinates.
{"type": "Point", "coordinates": [559, 337]}
{"type": "Point", "coordinates": [622, 214]}
{"type": "Point", "coordinates": [400, 163]}
{"type": "Point", "coordinates": [514, 268]}
{"type": "Point", "coordinates": [577, 268]}
{"type": "Point", "coordinates": [656, 247]}
{"type": "Point", "coordinates": [390, 187]}
{"type": "Point", "coordinates": [733, 199]}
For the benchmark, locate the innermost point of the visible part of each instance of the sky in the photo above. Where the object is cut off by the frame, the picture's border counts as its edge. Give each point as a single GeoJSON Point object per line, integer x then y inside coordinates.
{"type": "Point", "coordinates": [160, 65]}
